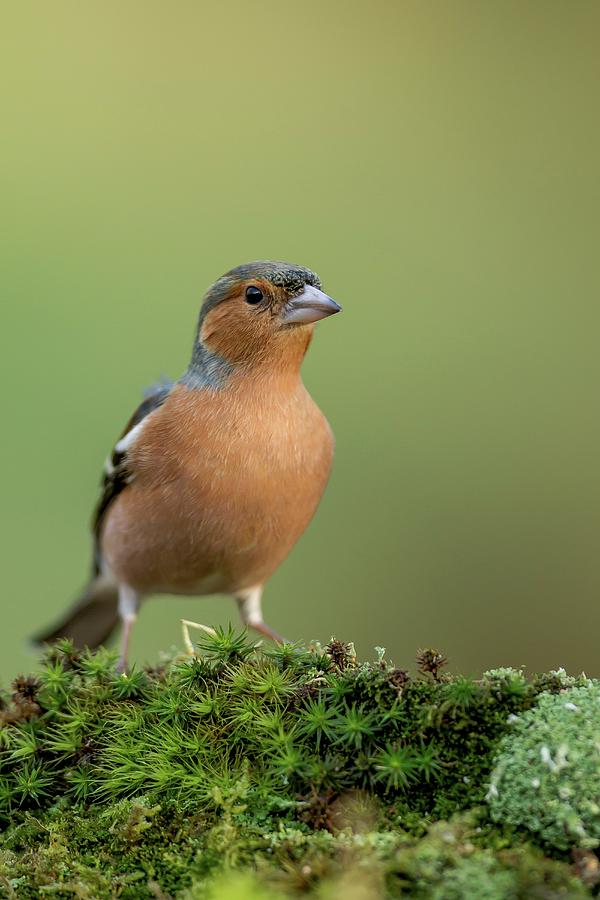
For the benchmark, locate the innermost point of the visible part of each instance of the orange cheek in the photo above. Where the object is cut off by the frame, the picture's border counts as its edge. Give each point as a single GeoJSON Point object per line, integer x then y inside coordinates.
{"type": "Point", "coordinates": [233, 331]}
{"type": "Point", "coordinates": [211, 326]}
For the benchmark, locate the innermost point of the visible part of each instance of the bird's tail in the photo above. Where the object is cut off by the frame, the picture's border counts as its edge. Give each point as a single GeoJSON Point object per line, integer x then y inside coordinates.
{"type": "Point", "coordinates": [91, 620]}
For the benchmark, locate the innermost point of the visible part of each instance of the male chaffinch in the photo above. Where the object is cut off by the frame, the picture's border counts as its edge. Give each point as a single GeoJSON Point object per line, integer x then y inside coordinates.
{"type": "Point", "coordinates": [216, 476]}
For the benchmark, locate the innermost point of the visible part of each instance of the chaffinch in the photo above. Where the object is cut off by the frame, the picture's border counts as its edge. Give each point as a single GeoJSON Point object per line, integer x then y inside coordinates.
{"type": "Point", "coordinates": [217, 475]}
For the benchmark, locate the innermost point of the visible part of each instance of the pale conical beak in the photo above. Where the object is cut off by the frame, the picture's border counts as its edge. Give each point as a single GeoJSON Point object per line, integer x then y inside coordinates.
{"type": "Point", "coordinates": [309, 306]}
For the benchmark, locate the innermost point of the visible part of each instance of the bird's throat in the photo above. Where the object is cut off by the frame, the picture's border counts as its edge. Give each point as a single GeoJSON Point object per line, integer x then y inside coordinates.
{"type": "Point", "coordinates": [207, 369]}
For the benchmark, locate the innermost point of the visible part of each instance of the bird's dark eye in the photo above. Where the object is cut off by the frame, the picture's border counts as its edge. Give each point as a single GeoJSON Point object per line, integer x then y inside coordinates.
{"type": "Point", "coordinates": [253, 294]}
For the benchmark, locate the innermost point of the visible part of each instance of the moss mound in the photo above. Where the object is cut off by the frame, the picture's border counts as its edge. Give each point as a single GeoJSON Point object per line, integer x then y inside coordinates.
{"type": "Point", "coordinates": [300, 767]}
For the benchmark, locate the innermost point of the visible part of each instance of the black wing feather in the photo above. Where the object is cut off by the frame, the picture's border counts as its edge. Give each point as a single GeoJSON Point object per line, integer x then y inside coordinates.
{"type": "Point", "coordinates": [118, 475]}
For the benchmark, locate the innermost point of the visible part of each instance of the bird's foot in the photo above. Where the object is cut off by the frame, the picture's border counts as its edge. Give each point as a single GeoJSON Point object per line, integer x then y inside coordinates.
{"type": "Point", "coordinates": [268, 632]}
{"type": "Point", "coordinates": [121, 667]}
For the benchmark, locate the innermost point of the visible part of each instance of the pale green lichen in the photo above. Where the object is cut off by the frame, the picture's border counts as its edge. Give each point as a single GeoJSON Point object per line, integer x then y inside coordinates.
{"type": "Point", "coordinates": [547, 773]}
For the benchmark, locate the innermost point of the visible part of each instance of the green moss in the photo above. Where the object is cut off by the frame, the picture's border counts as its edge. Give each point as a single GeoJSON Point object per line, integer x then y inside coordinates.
{"type": "Point", "coordinates": [452, 863]}
{"type": "Point", "coordinates": [300, 765]}
{"type": "Point", "coordinates": [135, 851]}
{"type": "Point", "coordinates": [547, 774]}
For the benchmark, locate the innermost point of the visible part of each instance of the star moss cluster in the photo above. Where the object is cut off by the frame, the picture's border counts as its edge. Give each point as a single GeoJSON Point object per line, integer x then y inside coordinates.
{"type": "Point", "coordinates": [295, 764]}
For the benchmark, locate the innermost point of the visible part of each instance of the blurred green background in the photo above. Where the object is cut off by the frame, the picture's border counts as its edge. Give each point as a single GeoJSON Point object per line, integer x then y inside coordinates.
{"type": "Point", "coordinates": [437, 164]}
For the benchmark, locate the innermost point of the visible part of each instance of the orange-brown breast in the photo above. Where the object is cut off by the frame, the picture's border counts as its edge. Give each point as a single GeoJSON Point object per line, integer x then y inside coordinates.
{"type": "Point", "coordinates": [225, 481]}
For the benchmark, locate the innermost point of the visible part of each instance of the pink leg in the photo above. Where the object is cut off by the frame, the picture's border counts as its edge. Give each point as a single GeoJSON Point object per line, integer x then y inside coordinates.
{"type": "Point", "coordinates": [251, 613]}
{"type": "Point", "coordinates": [129, 602]}
{"type": "Point", "coordinates": [262, 628]}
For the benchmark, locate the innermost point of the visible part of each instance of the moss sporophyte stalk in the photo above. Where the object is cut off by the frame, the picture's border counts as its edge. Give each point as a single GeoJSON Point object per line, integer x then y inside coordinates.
{"type": "Point", "coordinates": [247, 771]}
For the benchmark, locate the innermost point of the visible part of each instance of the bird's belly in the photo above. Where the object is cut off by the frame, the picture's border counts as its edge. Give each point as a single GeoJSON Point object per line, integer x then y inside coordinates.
{"type": "Point", "coordinates": [219, 533]}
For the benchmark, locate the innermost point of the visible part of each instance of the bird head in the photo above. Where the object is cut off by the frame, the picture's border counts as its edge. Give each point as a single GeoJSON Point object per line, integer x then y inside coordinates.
{"type": "Point", "coordinates": [262, 313]}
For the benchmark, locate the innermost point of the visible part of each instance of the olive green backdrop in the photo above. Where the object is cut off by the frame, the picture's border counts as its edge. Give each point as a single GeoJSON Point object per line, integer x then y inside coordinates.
{"type": "Point", "coordinates": [437, 164]}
